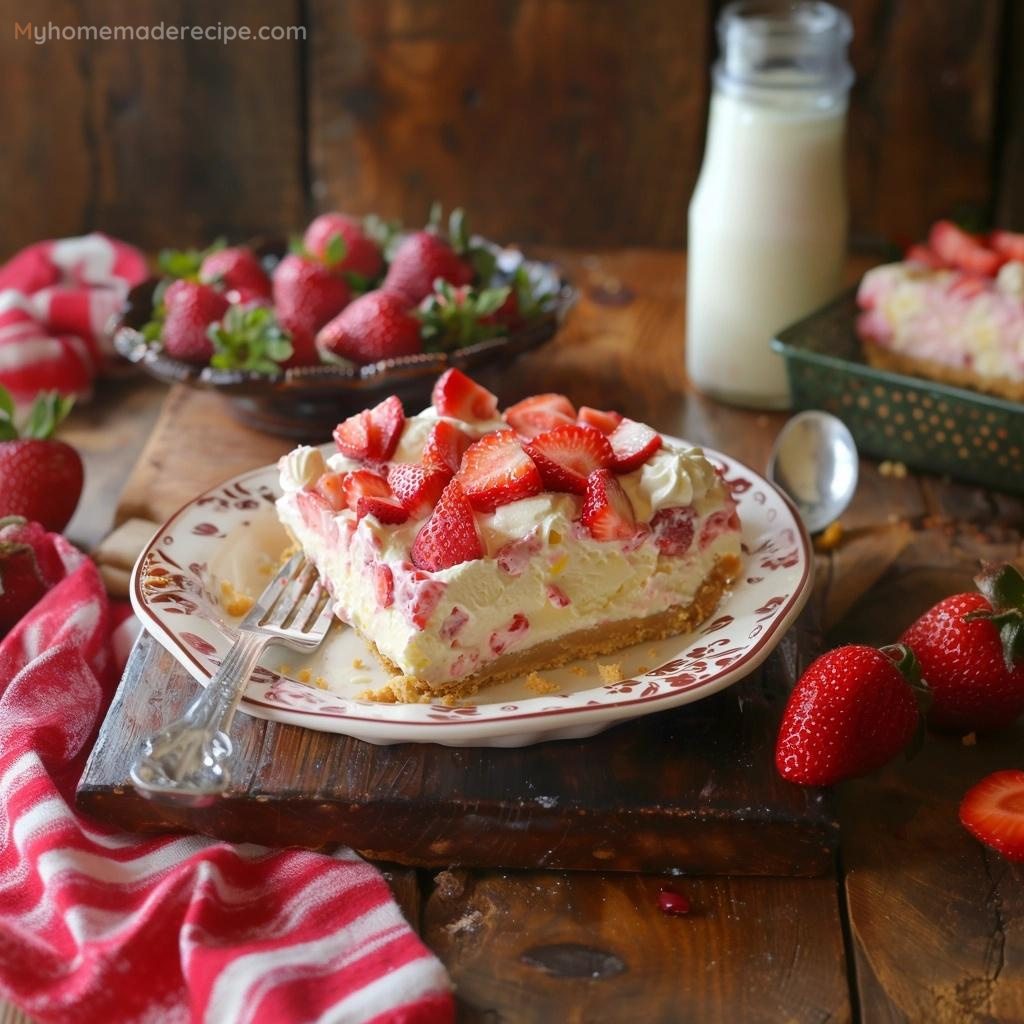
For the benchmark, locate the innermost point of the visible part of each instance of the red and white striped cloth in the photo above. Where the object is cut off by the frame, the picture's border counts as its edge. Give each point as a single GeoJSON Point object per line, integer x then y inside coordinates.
{"type": "Point", "coordinates": [97, 925]}
{"type": "Point", "coordinates": [55, 300]}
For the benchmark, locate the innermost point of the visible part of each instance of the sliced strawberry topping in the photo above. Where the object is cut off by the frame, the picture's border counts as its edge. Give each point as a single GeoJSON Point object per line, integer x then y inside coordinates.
{"type": "Point", "coordinates": [445, 446]}
{"type": "Point", "coordinates": [599, 419]}
{"type": "Point", "coordinates": [364, 483]}
{"type": "Point", "coordinates": [724, 520]}
{"type": "Point", "coordinates": [1008, 243]}
{"type": "Point", "coordinates": [449, 536]}
{"type": "Point", "coordinates": [633, 444]}
{"type": "Point", "coordinates": [461, 398]}
{"type": "Point", "coordinates": [387, 510]}
{"type": "Point", "coordinates": [673, 530]}
{"type": "Point", "coordinates": [496, 471]}
{"type": "Point", "coordinates": [312, 507]}
{"type": "Point", "coordinates": [332, 487]}
{"type": "Point", "coordinates": [993, 811]}
{"type": "Point", "coordinates": [384, 585]}
{"type": "Point", "coordinates": [956, 246]}
{"type": "Point", "coordinates": [417, 488]}
{"type": "Point", "coordinates": [534, 415]}
{"type": "Point", "coordinates": [373, 433]}
{"type": "Point", "coordinates": [568, 454]}
{"type": "Point", "coordinates": [918, 253]}
{"type": "Point", "coordinates": [607, 512]}
{"type": "Point", "coordinates": [969, 286]}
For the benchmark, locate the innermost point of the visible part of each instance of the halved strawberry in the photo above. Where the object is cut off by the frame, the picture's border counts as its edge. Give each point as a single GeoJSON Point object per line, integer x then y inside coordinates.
{"type": "Point", "coordinates": [673, 529]}
{"type": "Point", "coordinates": [332, 487]}
{"type": "Point", "coordinates": [461, 398]}
{"type": "Point", "coordinates": [607, 512]}
{"type": "Point", "coordinates": [1008, 243]}
{"type": "Point", "coordinates": [632, 444]}
{"type": "Point", "coordinates": [387, 510]}
{"type": "Point", "coordinates": [417, 488]}
{"type": "Point", "coordinates": [373, 433]}
{"type": "Point", "coordinates": [919, 253]}
{"type": "Point", "coordinates": [956, 246]}
{"type": "Point", "coordinates": [606, 422]}
{"type": "Point", "coordinates": [496, 471]}
{"type": "Point", "coordinates": [363, 483]}
{"type": "Point", "coordinates": [449, 536]}
{"type": "Point", "coordinates": [534, 415]}
{"type": "Point", "coordinates": [993, 811]}
{"type": "Point", "coordinates": [445, 446]}
{"type": "Point", "coordinates": [568, 454]}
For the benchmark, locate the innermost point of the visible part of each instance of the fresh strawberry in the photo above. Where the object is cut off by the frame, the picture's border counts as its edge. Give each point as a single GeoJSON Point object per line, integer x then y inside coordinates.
{"type": "Point", "coordinates": [417, 488]}
{"type": "Point", "coordinates": [341, 242]}
{"type": "Point", "coordinates": [852, 711]}
{"type": "Point", "coordinates": [363, 483]}
{"type": "Point", "coordinates": [454, 318]}
{"type": "Point", "coordinates": [189, 309]}
{"type": "Point", "coordinates": [568, 454]}
{"type": "Point", "coordinates": [29, 567]}
{"type": "Point", "coordinates": [956, 246]}
{"type": "Point", "coordinates": [673, 530]}
{"type": "Point", "coordinates": [384, 585]}
{"type": "Point", "coordinates": [993, 812]}
{"type": "Point", "coordinates": [971, 650]}
{"type": "Point", "coordinates": [373, 434]}
{"type": "Point", "coordinates": [387, 510]}
{"type": "Point", "coordinates": [632, 444]}
{"type": "Point", "coordinates": [306, 296]}
{"type": "Point", "coordinates": [1009, 244]}
{"type": "Point", "coordinates": [373, 327]}
{"type": "Point", "coordinates": [449, 536]}
{"type": "Point", "coordinates": [534, 415]}
{"type": "Point", "coordinates": [445, 446]}
{"type": "Point", "coordinates": [40, 479]}
{"type": "Point", "coordinates": [496, 471]}
{"type": "Point", "coordinates": [606, 422]}
{"type": "Point", "coordinates": [237, 272]}
{"type": "Point", "coordinates": [461, 398]}
{"type": "Point", "coordinates": [250, 338]}
{"type": "Point", "coordinates": [607, 511]}
{"type": "Point", "coordinates": [332, 487]}
{"type": "Point", "coordinates": [508, 314]}
{"type": "Point", "coordinates": [918, 253]}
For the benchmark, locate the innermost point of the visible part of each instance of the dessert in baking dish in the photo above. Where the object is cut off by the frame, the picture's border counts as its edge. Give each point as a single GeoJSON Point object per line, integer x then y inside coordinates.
{"type": "Point", "coordinates": [470, 547]}
{"type": "Point", "coordinates": [952, 311]}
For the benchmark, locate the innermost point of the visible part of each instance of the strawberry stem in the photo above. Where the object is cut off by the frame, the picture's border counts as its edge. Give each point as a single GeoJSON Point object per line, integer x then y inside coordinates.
{"type": "Point", "coordinates": [1003, 585]}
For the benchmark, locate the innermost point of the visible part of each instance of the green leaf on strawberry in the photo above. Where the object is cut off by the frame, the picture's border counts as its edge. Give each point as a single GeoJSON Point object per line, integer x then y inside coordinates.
{"type": "Point", "coordinates": [336, 250]}
{"type": "Point", "coordinates": [185, 263]}
{"type": "Point", "coordinates": [249, 338]}
{"type": "Point", "coordinates": [386, 233]}
{"type": "Point", "coordinates": [456, 317]}
{"type": "Point", "coordinates": [45, 415]}
{"type": "Point", "coordinates": [531, 301]}
{"type": "Point", "coordinates": [1003, 585]}
{"type": "Point", "coordinates": [8, 430]}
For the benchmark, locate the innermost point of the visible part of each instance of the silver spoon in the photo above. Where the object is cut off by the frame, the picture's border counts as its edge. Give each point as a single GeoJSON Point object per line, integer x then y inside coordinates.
{"type": "Point", "coordinates": [814, 460]}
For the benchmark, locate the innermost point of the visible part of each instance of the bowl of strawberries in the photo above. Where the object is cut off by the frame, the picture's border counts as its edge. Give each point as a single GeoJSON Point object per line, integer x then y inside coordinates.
{"type": "Point", "coordinates": [297, 335]}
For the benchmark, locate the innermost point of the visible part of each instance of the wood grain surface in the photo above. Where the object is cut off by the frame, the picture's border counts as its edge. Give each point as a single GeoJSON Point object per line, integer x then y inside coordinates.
{"type": "Point", "coordinates": [934, 924]}
{"type": "Point", "coordinates": [560, 121]}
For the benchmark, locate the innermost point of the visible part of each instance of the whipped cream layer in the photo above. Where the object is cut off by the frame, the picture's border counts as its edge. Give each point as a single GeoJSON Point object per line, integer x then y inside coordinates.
{"type": "Point", "coordinates": [542, 575]}
{"type": "Point", "coordinates": [946, 316]}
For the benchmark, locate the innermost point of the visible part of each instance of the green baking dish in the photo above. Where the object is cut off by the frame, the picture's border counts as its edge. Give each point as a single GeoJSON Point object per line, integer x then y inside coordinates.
{"type": "Point", "coordinates": [927, 425]}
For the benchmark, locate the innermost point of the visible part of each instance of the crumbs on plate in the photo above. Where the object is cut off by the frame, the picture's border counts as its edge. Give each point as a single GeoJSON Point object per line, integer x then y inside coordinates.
{"type": "Point", "coordinates": [611, 673]}
{"type": "Point", "coordinates": [577, 670]}
{"type": "Point", "coordinates": [233, 601]}
{"type": "Point", "coordinates": [536, 683]}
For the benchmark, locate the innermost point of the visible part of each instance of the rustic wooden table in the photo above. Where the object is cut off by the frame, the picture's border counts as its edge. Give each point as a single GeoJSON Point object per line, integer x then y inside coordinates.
{"type": "Point", "coordinates": [915, 921]}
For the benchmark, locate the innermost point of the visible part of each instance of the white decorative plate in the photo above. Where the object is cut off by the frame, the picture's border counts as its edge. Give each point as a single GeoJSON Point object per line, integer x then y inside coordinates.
{"type": "Point", "coordinates": [231, 534]}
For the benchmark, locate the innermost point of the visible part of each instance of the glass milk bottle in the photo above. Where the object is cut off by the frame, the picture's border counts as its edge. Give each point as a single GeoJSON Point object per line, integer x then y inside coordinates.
{"type": "Point", "coordinates": [767, 221]}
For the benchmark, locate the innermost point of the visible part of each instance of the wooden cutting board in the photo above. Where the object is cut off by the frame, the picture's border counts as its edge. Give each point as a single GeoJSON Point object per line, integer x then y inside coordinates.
{"type": "Point", "coordinates": [693, 790]}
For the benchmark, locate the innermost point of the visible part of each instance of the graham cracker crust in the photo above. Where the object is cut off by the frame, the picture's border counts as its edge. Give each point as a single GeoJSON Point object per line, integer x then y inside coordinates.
{"type": "Point", "coordinates": [585, 643]}
{"type": "Point", "coordinates": [915, 366]}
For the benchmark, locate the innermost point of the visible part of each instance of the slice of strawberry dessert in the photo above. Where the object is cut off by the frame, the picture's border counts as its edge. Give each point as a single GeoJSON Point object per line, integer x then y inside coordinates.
{"type": "Point", "coordinates": [469, 547]}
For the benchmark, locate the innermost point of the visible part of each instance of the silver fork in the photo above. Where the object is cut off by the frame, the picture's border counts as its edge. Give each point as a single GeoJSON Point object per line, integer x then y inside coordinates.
{"type": "Point", "coordinates": [188, 762]}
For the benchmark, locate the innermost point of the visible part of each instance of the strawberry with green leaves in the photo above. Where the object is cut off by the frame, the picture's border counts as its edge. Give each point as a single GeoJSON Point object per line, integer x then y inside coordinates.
{"type": "Point", "coordinates": [852, 711]}
{"type": "Point", "coordinates": [237, 272]}
{"type": "Point", "coordinates": [454, 317]}
{"type": "Point", "coordinates": [249, 338]}
{"type": "Point", "coordinates": [344, 244]}
{"type": "Point", "coordinates": [29, 566]}
{"type": "Point", "coordinates": [40, 478]}
{"type": "Point", "coordinates": [971, 650]}
{"type": "Point", "coordinates": [182, 316]}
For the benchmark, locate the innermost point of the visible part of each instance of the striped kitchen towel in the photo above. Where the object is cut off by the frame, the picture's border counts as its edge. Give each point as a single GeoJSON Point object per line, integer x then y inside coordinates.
{"type": "Point", "coordinates": [98, 925]}
{"type": "Point", "coordinates": [56, 298]}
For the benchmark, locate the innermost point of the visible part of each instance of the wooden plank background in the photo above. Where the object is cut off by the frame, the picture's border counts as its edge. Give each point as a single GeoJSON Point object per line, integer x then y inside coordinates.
{"type": "Point", "coordinates": [575, 122]}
